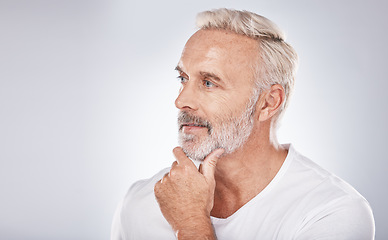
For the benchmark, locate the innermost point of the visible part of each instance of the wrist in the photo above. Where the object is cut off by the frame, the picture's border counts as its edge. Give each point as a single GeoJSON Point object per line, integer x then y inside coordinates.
{"type": "Point", "coordinates": [196, 230]}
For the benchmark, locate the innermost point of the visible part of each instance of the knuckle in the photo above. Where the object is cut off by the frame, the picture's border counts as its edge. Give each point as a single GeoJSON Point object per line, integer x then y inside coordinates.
{"type": "Point", "coordinates": [173, 173]}
{"type": "Point", "coordinates": [212, 162]}
{"type": "Point", "coordinates": [165, 177]}
{"type": "Point", "coordinates": [157, 187]}
{"type": "Point", "coordinates": [174, 164]}
{"type": "Point", "coordinates": [162, 181]}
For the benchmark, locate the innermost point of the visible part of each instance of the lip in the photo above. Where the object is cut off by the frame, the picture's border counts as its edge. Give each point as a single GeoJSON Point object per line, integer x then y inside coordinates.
{"type": "Point", "coordinates": [191, 127]}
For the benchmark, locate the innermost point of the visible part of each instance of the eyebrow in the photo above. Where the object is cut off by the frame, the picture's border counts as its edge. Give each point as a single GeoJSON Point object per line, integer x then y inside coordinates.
{"type": "Point", "coordinates": [211, 75]}
{"type": "Point", "coordinates": [203, 74]}
{"type": "Point", "coordinates": [179, 69]}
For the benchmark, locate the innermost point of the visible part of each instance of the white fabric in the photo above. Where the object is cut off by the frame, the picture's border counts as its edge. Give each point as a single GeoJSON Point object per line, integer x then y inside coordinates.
{"type": "Point", "coordinates": [303, 201]}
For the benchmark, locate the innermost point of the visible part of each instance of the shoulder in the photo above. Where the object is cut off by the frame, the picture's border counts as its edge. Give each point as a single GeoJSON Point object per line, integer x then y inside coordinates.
{"type": "Point", "coordinates": [145, 187]}
{"type": "Point", "coordinates": [317, 180]}
{"type": "Point", "coordinates": [140, 198]}
{"type": "Point", "coordinates": [332, 208]}
{"type": "Point", "coordinates": [141, 190]}
{"type": "Point", "coordinates": [137, 209]}
{"type": "Point", "coordinates": [348, 217]}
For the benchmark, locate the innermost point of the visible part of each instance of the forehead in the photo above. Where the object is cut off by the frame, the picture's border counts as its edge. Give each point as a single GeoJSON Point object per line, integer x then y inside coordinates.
{"type": "Point", "coordinates": [221, 38]}
{"type": "Point", "coordinates": [220, 51]}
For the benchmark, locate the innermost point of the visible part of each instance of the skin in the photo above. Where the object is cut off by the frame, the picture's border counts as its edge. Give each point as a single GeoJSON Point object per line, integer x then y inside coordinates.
{"type": "Point", "coordinates": [188, 197]}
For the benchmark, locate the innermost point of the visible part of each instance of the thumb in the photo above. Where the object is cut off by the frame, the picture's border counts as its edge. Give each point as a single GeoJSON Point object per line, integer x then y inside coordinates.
{"type": "Point", "coordinates": [209, 164]}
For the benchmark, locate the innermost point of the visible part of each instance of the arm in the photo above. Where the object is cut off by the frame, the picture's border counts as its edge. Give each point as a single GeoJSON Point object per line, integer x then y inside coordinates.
{"type": "Point", "coordinates": [348, 218]}
{"type": "Point", "coordinates": [203, 230]}
{"type": "Point", "coordinates": [186, 196]}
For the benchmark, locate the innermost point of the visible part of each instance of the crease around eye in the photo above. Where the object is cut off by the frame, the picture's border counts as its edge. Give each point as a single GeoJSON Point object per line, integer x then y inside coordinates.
{"type": "Point", "coordinates": [208, 84]}
{"type": "Point", "coordinates": [182, 79]}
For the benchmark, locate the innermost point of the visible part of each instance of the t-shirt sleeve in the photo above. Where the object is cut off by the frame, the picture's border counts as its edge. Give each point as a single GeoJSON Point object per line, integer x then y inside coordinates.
{"type": "Point", "coordinates": [116, 228]}
{"type": "Point", "coordinates": [349, 218]}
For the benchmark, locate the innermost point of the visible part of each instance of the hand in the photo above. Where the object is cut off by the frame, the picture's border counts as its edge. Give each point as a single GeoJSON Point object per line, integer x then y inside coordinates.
{"type": "Point", "coordinates": [186, 195]}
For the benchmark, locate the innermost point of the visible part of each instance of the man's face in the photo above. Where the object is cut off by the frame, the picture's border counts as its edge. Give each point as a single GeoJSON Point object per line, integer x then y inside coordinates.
{"type": "Point", "coordinates": [216, 101]}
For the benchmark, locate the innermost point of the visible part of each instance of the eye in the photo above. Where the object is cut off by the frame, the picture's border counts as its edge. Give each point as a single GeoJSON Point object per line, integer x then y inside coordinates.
{"type": "Point", "coordinates": [182, 79]}
{"type": "Point", "coordinates": [208, 84]}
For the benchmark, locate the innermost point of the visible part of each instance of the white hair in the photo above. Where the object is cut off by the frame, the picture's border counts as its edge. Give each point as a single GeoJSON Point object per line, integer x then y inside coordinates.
{"type": "Point", "coordinates": [278, 60]}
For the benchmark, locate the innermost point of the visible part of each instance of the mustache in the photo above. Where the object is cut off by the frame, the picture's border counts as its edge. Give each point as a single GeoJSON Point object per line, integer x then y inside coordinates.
{"type": "Point", "coordinates": [185, 118]}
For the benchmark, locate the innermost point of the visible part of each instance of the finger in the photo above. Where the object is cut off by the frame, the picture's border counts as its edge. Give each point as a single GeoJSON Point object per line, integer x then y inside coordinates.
{"type": "Point", "coordinates": [157, 188]}
{"type": "Point", "coordinates": [174, 168]}
{"type": "Point", "coordinates": [209, 164]}
{"type": "Point", "coordinates": [174, 164]}
{"type": "Point", "coordinates": [181, 157]}
{"type": "Point", "coordinates": [164, 178]}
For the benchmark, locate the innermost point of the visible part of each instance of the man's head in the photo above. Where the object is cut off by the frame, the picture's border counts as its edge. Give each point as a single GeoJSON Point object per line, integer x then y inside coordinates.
{"type": "Point", "coordinates": [235, 59]}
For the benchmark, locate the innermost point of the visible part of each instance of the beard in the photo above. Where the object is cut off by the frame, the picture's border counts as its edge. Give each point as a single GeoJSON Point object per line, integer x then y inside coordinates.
{"type": "Point", "coordinates": [229, 133]}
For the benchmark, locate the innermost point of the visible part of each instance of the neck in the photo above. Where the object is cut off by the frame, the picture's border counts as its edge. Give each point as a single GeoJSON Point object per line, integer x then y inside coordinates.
{"type": "Point", "coordinates": [243, 174]}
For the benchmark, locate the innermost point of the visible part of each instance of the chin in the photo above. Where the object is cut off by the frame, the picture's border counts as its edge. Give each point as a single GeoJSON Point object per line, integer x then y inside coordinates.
{"type": "Point", "coordinates": [194, 151]}
{"type": "Point", "coordinates": [195, 157]}
{"type": "Point", "coordinates": [195, 148]}
{"type": "Point", "coordinates": [191, 152]}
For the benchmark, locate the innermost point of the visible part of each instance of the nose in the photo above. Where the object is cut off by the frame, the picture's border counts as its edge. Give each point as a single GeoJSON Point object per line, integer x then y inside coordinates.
{"type": "Point", "coordinates": [187, 98]}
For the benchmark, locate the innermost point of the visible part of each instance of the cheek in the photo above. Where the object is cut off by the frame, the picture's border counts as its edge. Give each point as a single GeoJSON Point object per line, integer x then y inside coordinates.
{"type": "Point", "coordinates": [222, 107]}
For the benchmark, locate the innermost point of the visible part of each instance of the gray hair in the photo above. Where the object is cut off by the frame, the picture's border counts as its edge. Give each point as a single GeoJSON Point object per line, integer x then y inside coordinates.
{"type": "Point", "coordinates": [278, 60]}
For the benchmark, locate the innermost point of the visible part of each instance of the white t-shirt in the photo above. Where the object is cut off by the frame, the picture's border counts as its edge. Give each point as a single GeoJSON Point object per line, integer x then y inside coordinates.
{"type": "Point", "coordinates": [303, 201]}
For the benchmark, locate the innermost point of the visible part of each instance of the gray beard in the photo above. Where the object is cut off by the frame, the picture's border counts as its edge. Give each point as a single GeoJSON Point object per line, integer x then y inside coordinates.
{"type": "Point", "coordinates": [230, 134]}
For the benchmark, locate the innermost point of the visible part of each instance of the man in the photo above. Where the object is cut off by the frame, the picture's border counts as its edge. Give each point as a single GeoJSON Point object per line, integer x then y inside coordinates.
{"type": "Point", "coordinates": [237, 73]}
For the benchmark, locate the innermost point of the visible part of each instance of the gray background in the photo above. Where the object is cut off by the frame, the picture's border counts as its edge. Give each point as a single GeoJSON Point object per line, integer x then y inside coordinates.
{"type": "Point", "coordinates": [87, 91]}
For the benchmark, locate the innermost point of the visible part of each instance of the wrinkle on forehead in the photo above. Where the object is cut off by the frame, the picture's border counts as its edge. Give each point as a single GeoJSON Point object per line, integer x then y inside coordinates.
{"type": "Point", "coordinates": [233, 41]}
{"type": "Point", "coordinates": [234, 53]}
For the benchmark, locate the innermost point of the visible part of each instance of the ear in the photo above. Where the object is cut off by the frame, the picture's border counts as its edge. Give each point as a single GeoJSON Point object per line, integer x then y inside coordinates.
{"type": "Point", "coordinates": [272, 100]}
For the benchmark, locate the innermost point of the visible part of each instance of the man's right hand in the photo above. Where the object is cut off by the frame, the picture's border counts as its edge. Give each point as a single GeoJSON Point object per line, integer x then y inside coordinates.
{"type": "Point", "coordinates": [186, 195]}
